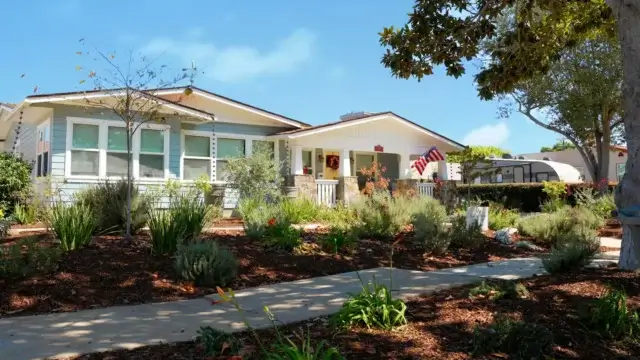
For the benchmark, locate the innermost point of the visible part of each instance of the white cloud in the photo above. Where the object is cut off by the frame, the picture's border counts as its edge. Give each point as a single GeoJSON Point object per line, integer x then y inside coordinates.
{"type": "Point", "coordinates": [491, 134]}
{"type": "Point", "coordinates": [240, 62]}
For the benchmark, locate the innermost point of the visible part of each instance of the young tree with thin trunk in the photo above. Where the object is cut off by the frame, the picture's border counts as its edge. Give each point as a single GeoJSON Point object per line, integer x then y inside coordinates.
{"type": "Point", "coordinates": [129, 89]}
{"type": "Point", "coordinates": [451, 32]}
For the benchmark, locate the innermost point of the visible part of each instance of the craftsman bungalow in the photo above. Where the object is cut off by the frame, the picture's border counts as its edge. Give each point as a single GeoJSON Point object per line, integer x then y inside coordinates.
{"type": "Point", "coordinates": [77, 145]}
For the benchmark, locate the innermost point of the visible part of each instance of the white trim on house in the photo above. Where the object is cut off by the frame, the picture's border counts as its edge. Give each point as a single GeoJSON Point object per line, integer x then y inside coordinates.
{"type": "Point", "coordinates": [103, 128]}
{"type": "Point", "coordinates": [97, 95]}
{"type": "Point", "coordinates": [340, 125]}
{"type": "Point", "coordinates": [232, 103]}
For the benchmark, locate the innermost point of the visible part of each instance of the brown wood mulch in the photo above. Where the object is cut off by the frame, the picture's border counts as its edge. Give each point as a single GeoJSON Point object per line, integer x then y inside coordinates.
{"type": "Point", "coordinates": [112, 271]}
{"type": "Point", "coordinates": [613, 229]}
{"type": "Point", "coordinates": [441, 325]}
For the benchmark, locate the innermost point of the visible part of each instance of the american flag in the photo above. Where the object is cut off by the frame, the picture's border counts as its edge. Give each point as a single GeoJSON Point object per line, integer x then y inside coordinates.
{"type": "Point", "coordinates": [430, 155]}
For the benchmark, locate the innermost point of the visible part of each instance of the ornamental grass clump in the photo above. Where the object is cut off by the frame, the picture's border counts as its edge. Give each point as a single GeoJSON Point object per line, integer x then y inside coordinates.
{"type": "Point", "coordinates": [73, 224]}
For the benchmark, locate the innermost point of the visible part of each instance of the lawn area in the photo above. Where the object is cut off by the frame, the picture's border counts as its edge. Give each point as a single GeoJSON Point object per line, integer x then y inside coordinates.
{"type": "Point", "coordinates": [442, 325]}
{"type": "Point", "coordinates": [111, 271]}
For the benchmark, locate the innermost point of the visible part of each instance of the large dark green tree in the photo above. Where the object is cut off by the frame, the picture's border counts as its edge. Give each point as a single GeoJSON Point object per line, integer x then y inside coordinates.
{"type": "Point", "coordinates": [451, 33]}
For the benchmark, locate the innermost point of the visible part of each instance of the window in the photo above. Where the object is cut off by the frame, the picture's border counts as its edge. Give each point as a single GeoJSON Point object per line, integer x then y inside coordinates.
{"type": "Point", "coordinates": [152, 150]}
{"type": "Point", "coordinates": [98, 148]}
{"type": "Point", "coordinates": [43, 149]}
{"type": "Point", "coordinates": [307, 161]}
{"type": "Point", "coordinates": [540, 177]}
{"type": "Point", "coordinates": [197, 157]}
{"type": "Point", "coordinates": [620, 170]}
{"type": "Point", "coordinates": [227, 148]}
{"type": "Point", "coordinates": [85, 150]}
{"type": "Point", "coordinates": [117, 151]}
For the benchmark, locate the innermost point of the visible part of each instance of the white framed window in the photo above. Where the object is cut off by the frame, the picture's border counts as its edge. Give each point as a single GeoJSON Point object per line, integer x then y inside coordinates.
{"type": "Point", "coordinates": [97, 149]}
{"type": "Point", "coordinates": [308, 163]}
{"type": "Point", "coordinates": [196, 155]}
{"type": "Point", "coordinates": [153, 149]}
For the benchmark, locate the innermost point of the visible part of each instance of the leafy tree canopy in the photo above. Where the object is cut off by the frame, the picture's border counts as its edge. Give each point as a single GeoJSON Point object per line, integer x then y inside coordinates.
{"type": "Point", "coordinates": [451, 32]}
{"type": "Point", "coordinates": [559, 146]}
{"type": "Point", "coordinates": [474, 153]}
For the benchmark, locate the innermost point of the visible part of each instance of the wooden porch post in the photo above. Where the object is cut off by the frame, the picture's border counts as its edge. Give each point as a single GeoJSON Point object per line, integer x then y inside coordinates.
{"type": "Point", "coordinates": [296, 160]}
{"type": "Point", "coordinates": [345, 163]}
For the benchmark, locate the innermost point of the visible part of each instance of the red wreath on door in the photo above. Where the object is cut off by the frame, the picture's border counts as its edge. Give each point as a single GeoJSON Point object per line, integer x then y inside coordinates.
{"type": "Point", "coordinates": [333, 161]}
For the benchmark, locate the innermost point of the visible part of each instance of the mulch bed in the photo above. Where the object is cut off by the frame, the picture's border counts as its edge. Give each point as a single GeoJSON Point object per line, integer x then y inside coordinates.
{"type": "Point", "coordinates": [112, 271]}
{"type": "Point", "coordinates": [441, 326]}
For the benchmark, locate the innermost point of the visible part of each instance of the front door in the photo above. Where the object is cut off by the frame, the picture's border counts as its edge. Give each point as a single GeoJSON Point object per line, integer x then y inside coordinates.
{"type": "Point", "coordinates": [329, 172]}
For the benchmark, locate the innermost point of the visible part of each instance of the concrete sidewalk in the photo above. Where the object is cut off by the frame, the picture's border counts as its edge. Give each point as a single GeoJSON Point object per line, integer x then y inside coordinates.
{"type": "Point", "coordinates": [69, 334]}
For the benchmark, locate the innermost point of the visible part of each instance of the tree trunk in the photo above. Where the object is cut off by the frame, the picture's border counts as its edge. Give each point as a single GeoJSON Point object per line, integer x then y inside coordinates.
{"type": "Point", "coordinates": [627, 13]}
{"type": "Point", "coordinates": [603, 161]}
{"type": "Point", "coordinates": [127, 235]}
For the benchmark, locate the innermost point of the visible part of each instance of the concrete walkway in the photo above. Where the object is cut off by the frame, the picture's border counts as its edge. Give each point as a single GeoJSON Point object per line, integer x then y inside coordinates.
{"type": "Point", "coordinates": [69, 334]}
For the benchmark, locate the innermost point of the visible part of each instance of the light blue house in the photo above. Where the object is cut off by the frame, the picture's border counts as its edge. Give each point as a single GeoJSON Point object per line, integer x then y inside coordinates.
{"type": "Point", "coordinates": [77, 144]}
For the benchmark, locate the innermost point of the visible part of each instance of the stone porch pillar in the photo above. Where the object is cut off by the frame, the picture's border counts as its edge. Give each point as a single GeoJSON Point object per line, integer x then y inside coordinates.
{"type": "Point", "coordinates": [347, 191]}
{"type": "Point", "coordinates": [304, 184]}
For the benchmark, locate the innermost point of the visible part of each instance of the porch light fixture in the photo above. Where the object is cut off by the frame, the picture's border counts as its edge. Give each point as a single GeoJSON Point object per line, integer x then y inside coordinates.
{"type": "Point", "coordinates": [320, 157]}
{"type": "Point", "coordinates": [352, 160]}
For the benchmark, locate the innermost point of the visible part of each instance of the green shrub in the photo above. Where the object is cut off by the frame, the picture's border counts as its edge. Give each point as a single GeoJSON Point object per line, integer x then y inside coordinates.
{"type": "Point", "coordinates": [428, 223]}
{"type": "Point", "coordinates": [522, 340]}
{"type": "Point", "coordinates": [600, 205]}
{"type": "Point", "coordinates": [109, 201]}
{"type": "Point", "coordinates": [299, 210]}
{"type": "Point", "coordinates": [340, 215]}
{"type": "Point", "coordinates": [611, 316]}
{"type": "Point", "coordinates": [166, 233]}
{"type": "Point", "coordinates": [525, 197]}
{"type": "Point", "coordinates": [256, 176]}
{"type": "Point", "coordinates": [190, 211]}
{"type": "Point", "coordinates": [552, 205]}
{"type": "Point", "coordinates": [206, 263]}
{"type": "Point", "coordinates": [554, 189]}
{"type": "Point", "coordinates": [25, 213]}
{"type": "Point", "coordinates": [462, 236]}
{"type": "Point", "coordinates": [14, 262]}
{"type": "Point", "coordinates": [15, 179]}
{"type": "Point", "coordinates": [287, 349]}
{"type": "Point", "coordinates": [255, 216]}
{"type": "Point", "coordinates": [500, 218]}
{"type": "Point", "coordinates": [372, 307]}
{"type": "Point", "coordinates": [380, 215]}
{"type": "Point", "coordinates": [573, 250]}
{"type": "Point", "coordinates": [73, 224]}
{"type": "Point", "coordinates": [217, 343]}
{"type": "Point", "coordinates": [498, 290]}
{"type": "Point", "coordinates": [547, 228]}
{"type": "Point", "coordinates": [281, 235]}
{"type": "Point", "coordinates": [338, 239]}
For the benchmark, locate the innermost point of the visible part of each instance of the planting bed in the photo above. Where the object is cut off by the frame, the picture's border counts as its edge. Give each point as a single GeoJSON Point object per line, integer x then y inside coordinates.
{"type": "Point", "coordinates": [441, 326]}
{"type": "Point", "coordinates": [115, 272]}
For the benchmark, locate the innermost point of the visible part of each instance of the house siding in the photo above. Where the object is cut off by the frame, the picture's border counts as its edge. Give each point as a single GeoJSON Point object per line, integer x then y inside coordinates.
{"type": "Point", "coordinates": [26, 133]}
{"type": "Point", "coordinates": [67, 190]}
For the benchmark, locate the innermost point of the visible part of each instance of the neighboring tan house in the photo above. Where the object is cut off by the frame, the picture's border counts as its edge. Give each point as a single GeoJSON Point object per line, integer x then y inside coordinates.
{"type": "Point", "coordinates": [617, 161]}
{"type": "Point", "coordinates": [79, 146]}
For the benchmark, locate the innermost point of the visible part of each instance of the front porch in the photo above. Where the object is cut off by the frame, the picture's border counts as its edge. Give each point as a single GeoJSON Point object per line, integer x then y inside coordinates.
{"type": "Point", "coordinates": [325, 163]}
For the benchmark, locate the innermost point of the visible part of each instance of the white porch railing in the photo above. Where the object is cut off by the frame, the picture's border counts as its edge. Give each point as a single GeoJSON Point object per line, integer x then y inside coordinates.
{"type": "Point", "coordinates": [426, 189]}
{"type": "Point", "coordinates": [326, 192]}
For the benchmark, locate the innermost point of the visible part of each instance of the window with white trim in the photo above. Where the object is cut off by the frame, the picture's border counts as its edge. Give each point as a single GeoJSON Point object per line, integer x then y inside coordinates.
{"type": "Point", "coordinates": [152, 156]}
{"type": "Point", "coordinates": [43, 149]}
{"type": "Point", "coordinates": [227, 148]}
{"type": "Point", "coordinates": [117, 153]}
{"type": "Point", "coordinates": [98, 149]}
{"type": "Point", "coordinates": [85, 150]}
{"type": "Point", "coordinates": [196, 160]}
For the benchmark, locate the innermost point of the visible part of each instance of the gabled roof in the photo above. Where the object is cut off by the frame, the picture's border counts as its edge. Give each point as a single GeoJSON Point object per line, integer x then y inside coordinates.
{"type": "Point", "coordinates": [198, 91]}
{"type": "Point", "coordinates": [96, 94]}
{"type": "Point", "coordinates": [6, 106]}
{"type": "Point", "coordinates": [367, 117]}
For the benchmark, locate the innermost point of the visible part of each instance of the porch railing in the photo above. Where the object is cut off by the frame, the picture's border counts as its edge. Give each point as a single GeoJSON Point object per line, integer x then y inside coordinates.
{"type": "Point", "coordinates": [426, 189]}
{"type": "Point", "coordinates": [326, 192]}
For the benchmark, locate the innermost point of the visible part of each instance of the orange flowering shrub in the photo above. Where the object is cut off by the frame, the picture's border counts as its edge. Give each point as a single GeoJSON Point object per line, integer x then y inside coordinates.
{"type": "Point", "coordinates": [375, 178]}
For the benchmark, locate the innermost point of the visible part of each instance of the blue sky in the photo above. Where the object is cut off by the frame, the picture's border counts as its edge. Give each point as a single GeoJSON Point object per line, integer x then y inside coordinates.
{"type": "Point", "coordinates": [310, 60]}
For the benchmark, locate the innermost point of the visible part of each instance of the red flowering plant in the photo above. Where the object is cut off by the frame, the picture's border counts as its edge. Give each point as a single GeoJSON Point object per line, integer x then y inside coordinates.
{"type": "Point", "coordinates": [375, 179]}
